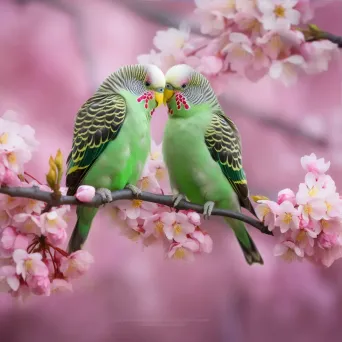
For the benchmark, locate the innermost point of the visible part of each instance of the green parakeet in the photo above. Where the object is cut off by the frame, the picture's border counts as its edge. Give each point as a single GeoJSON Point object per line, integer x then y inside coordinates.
{"type": "Point", "coordinates": [202, 152]}
{"type": "Point", "coordinates": [112, 138]}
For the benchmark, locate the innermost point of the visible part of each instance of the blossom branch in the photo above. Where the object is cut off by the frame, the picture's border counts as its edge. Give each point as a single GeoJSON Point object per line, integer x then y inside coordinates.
{"type": "Point", "coordinates": [49, 198]}
{"type": "Point", "coordinates": [273, 121]}
{"type": "Point", "coordinates": [313, 33]}
{"type": "Point", "coordinates": [81, 39]}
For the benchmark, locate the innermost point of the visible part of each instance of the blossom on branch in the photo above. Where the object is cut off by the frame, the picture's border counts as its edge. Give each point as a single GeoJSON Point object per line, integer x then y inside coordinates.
{"type": "Point", "coordinates": [307, 224]}
{"type": "Point", "coordinates": [252, 38]}
{"type": "Point", "coordinates": [150, 223]}
{"type": "Point", "coordinates": [32, 233]}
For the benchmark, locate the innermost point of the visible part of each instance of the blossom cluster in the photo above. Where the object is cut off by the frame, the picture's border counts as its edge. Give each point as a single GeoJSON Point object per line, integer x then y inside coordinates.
{"type": "Point", "coordinates": [32, 260]}
{"type": "Point", "coordinates": [252, 38]}
{"type": "Point", "coordinates": [148, 223]}
{"type": "Point", "coordinates": [308, 223]}
{"type": "Point", "coordinates": [178, 231]}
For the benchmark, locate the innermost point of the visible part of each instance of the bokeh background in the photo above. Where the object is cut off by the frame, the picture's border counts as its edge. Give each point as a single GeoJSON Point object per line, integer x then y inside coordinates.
{"type": "Point", "coordinates": [53, 55]}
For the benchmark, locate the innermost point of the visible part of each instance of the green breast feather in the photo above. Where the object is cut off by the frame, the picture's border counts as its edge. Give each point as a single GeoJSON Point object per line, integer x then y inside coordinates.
{"type": "Point", "coordinates": [223, 141]}
{"type": "Point", "coordinates": [97, 123]}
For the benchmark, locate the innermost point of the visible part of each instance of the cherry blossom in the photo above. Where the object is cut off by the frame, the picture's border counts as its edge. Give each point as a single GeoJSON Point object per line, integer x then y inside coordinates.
{"type": "Point", "coordinates": [39, 285]}
{"type": "Point", "coordinates": [183, 250]}
{"type": "Point", "coordinates": [76, 264]}
{"type": "Point", "coordinates": [9, 280]}
{"type": "Point", "coordinates": [253, 38]}
{"type": "Point", "coordinates": [136, 208]}
{"type": "Point", "coordinates": [204, 240]}
{"type": "Point", "coordinates": [289, 251]}
{"type": "Point", "coordinates": [288, 217]}
{"type": "Point", "coordinates": [148, 181]}
{"type": "Point", "coordinates": [239, 51]}
{"type": "Point", "coordinates": [287, 69]}
{"type": "Point", "coordinates": [210, 16]}
{"type": "Point", "coordinates": [60, 286]}
{"type": "Point", "coordinates": [177, 226]}
{"type": "Point", "coordinates": [29, 264]}
{"type": "Point", "coordinates": [10, 240]}
{"type": "Point", "coordinates": [266, 212]}
{"type": "Point", "coordinates": [312, 164]}
{"type": "Point", "coordinates": [154, 225]}
{"type": "Point", "coordinates": [278, 13]}
{"type": "Point", "coordinates": [308, 224]}
{"type": "Point", "coordinates": [171, 40]}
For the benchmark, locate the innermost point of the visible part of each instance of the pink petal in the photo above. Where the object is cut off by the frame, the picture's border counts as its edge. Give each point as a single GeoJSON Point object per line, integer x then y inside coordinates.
{"type": "Point", "coordinates": [168, 230]}
{"type": "Point", "coordinates": [191, 245]}
{"type": "Point", "coordinates": [279, 250]}
{"type": "Point", "coordinates": [19, 255]}
{"type": "Point", "coordinates": [13, 282]}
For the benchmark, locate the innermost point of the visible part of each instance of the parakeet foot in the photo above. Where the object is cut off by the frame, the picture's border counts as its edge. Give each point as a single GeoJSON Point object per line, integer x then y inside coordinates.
{"type": "Point", "coordinates": [136, 191]}
{"type": "Point", "coordinates": [207, 210]}
{"type": "Point", "coordinates": [106, 195]}
{"type": "Point", "coordinates": [177, 198]}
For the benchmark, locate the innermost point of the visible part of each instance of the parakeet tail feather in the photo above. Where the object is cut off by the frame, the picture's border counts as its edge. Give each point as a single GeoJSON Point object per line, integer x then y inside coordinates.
{"type": "Point", "coordinates": [251, 254]}
{"type": "Point", "coordinates": [246, 243]}
{"type": "Point", "coordinates": [81, 230]}
{"type": "Point", "coordinates": [76, 240]}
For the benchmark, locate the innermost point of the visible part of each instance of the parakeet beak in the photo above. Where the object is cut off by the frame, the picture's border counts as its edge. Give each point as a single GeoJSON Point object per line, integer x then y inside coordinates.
{"type": "Point", "coordinates": [168, 93]}
{"type": "Point", "coordinates": [159, 96]}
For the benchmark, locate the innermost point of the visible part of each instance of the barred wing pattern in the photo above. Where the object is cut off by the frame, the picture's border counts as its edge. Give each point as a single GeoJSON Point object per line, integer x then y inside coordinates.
{"type": "Point", "coordinates": [223, 141]}
{"type": "Point", "coordinates": [97, 123]}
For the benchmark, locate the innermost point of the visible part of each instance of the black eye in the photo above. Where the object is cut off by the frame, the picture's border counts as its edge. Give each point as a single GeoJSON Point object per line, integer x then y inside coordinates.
{"type": "Point", "coordinates": [169, 86]}
{"type": "Point", "coordinates": [183, 85]}
{"type": "Point", "coordinates": [147, 84]}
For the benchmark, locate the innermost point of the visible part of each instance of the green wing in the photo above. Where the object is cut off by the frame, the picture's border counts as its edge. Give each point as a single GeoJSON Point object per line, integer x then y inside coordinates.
{"type": "Point", "coordinates": [223, 141]}
{"type": "Point", "coordinates": [97, 123]}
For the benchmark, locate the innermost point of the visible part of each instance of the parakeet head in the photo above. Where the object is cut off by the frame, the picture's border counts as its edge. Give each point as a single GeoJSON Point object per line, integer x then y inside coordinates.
{"type": "Point", "coordinates": [145, 82]}
{"type": "Point", "coordinates": [187, 89]}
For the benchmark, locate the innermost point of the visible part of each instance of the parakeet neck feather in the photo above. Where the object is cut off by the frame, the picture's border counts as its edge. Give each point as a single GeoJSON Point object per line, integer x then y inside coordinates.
{"type": "Point", "coordinates": [129, 78]}
{"type": "Point", "coordinates": [200, 91]}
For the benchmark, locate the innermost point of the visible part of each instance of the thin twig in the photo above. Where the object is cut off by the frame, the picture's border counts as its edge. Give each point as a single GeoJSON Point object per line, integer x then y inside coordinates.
{"type": "Point", "coordinates": [48, 197]}
{"type": "Point", "coordinates": [274, 121]}
{"type": "Point", "coordinates": [81, 40]}
{"type": "Point", "coordinates": [313, 33]}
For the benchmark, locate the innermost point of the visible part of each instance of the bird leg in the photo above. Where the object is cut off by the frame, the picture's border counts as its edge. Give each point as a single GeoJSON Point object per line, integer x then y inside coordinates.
{"type": "Point", "coordinates": [177, 198]}
{"type": "Point", "coordinates": [106, 195]}
{"type": "Point", "coordinates": [208, 209]}
{"type": "Point", "coordinates": [136, 191]}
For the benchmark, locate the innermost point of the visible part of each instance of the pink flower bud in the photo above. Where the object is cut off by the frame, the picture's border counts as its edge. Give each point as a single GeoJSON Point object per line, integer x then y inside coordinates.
{"type": "Point", "coordinates": [60, 285]}
{"type": "Point", "coordinates": [39, 285]}
{"type": "Point", "coordinates": [85, 193]}
{"type": "Point", "coordinates": [286, 195]}
{"type": "Point", "coordinates": [194, 218]}
{"type": "Point", "coordinates": [11, 239]}
{"type": "Point", "coordinates": [76, 264]}
{"type": "Point", "coordinates": [327, 240]}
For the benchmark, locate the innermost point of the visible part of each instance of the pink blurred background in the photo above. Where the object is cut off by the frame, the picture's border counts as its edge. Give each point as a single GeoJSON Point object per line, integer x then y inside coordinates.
{"type": "Point", "coordinates": [53, 55]}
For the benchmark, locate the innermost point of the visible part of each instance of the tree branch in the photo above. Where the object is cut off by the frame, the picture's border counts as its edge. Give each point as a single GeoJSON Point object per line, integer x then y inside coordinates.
{"type": "Point", "coordinates": [273, 121]}
{"type": "Point", "coordinates": [313, 33]}
{"type": "Point", "coordinates": [48, 197]}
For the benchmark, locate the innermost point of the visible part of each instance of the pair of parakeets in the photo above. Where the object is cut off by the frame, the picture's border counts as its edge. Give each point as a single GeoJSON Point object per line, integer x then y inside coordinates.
{"type": "Point", "coordinates": [201, 146]}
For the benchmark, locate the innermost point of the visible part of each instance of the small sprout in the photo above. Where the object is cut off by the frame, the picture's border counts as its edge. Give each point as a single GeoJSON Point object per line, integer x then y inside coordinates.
{"type": "Point", "coordinates": [51, 178]}
{"type": "Point", "coordinates": [54, 176]}
{"type": "Point", "coordinates": [257, 198]}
